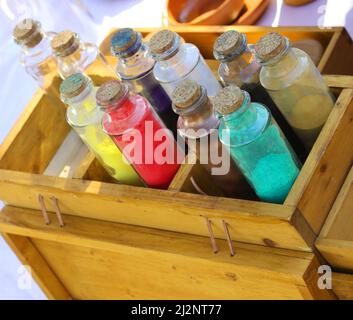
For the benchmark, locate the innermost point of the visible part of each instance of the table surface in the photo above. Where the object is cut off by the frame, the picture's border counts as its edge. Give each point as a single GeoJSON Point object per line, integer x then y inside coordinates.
{"type": "Point", "coordinates": [105, 14]}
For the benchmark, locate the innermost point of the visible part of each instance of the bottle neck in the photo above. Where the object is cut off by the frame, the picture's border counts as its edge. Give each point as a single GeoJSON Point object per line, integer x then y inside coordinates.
{"type": "Point", "coordinates": [125, 115]}
{"type": "Point", "coordinates": [281, 70]}
{"type": "Point", "coordinates": [239, 62]}
{"type": "Point", "coordinates": [136, 64]}
{"type": "Point", "coordinates": [170, 56]}
{"type": "Point", "coordinates": [171, 60]}
{"type": "Point", "coordinates": [243, 116]}
{"type": "Point", "coordinates": [200, 115]}
{"type": "Point", "coordinates": [242, 70]}
{"type": "Point", "coordinates": [85, 101]}
{"type": "Point", "coordinates": [42, 46]}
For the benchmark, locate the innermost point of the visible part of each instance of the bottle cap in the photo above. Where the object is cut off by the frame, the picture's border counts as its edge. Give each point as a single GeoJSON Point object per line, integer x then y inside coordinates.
{"type": "Point", "coordinates": [162, 41]}
{"type": "Point", "coordinates": [228, 42]}
{"type": "Point", "coordinates": [125, 42]}
{"type": "Point", "coordinates": [186, 93]}
{"type": "Point", "coordinates": [269, 46]}
{"type": "Point", "coordinates": [63, 43]}
{"type": "Point", "coordinates": [73, 85]}
{"type": "Point", "coordinates": [228, 100]}
{"type": "Point", "coordinates": [110, 91]}
{"type": "Point", "coordinates": [27, 32]}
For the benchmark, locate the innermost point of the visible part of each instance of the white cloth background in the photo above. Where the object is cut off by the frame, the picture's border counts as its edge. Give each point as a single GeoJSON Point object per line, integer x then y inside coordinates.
{"type": "Point", "coordinates": [17, 87]}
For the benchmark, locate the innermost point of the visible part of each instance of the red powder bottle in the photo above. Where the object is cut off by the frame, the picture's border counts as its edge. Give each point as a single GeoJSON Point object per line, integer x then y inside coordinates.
{"type": "Point", "coordinates": [139, 134]}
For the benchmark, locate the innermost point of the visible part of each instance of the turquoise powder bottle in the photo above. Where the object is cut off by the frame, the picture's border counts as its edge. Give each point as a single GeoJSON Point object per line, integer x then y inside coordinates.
{"type": "Point", "coordinates": [256, 144]}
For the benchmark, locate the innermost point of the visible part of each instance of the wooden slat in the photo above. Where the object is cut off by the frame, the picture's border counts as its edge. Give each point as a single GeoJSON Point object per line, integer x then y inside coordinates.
{"type": "Point", "coordinates": [339, 81]}
{"type": "Point", "coordinates": [327, 165]}
{"type": "Point", "coordinates": [250, 221]}
{"type": "Point", "coordinates": [338, 57]}
{"type": "Point", "coordinates": [343, 286]}
{"type": "Point", "coordinates": [45, 277]}
{"type": "Point", "coordinates": [329, 49]}
{"type": "Point", "coordinates": [93, 233]}
{"type": "Point", "coordinates": [338, 253]}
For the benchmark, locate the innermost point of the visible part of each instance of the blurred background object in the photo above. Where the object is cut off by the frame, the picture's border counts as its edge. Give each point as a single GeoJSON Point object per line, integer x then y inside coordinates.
{"type": "Point", "coordinates": [297, 2]}
{"type": "Point", "coordinates": [53, 15]}
{"type": "Point", "coordinates": [203, 12]}
{"type": "Point", "coordinates": [215, 12]}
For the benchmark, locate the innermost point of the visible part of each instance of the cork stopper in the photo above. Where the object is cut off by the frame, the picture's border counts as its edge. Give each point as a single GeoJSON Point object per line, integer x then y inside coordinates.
{"type": "Point", "coordinates": [186, 93]}
{"type": "Point", "coordinates": [162, 41]}
{"type": "Point", "coordinates": [270, 45]}
{"type": "Point", "coordinates": [228, 100]}
{"type": "Point", "coordinates": [63, 41]}
{"type": "Point", "coordinates": [123, 40]}
{"type": "Point", "coordinates": [73, 85]}
{"type": "Point", "coordinates": [27, 32]}
{"type": "Point", "coordinates": [227, 42]}
{"type": "Point", "coordinates": [110, 92]}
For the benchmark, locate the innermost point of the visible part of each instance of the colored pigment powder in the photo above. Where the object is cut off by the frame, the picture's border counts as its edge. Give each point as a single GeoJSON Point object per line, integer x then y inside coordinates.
{"type": "Point", "coordinates": [135, 113]}
{"type": "Point", "coordinates": [271, 169]}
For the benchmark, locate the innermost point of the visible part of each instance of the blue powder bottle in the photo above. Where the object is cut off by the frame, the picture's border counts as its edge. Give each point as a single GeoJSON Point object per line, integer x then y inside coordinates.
{"type": "Point", "coordinates": [135, 68]}
{"type": "Point", "coordinates": [256, 144]}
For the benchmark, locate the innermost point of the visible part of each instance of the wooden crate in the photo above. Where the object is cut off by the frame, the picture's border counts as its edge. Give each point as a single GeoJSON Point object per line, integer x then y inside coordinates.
{"type": "Point", "coordinates": [335, 242]}
{"type": "Point", "coordinates": [111, 226]}
{"type": "Point", "coordinates": [31, 145]}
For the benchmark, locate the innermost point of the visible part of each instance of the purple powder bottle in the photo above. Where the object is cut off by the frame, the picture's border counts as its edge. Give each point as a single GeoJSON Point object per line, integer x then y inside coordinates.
{"type": "Point", "coordinates": [135, 68]}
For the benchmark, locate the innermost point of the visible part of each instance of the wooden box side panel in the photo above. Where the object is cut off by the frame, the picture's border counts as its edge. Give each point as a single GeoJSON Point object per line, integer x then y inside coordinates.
{"type": "Point", "coordinates": [339, 224]}
{"type": "Point", "coordinates": [95, 259]}
{"type": "Point", "coordinates": [36, 136]}
{"type": "Point", "coordinates": [28, 254]}
{"type": "Point", "coordinates": [335, 242]}
{"type": "Point", "coordinates": [329, 162]}
{"type": "Point", "coordinates": [97, 274]}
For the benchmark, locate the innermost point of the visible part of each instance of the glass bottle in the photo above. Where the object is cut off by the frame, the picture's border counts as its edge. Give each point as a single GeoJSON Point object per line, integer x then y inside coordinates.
{"type": "Point", "coordinates": [85, 118]}
{"type": "Point", "coordinates": [256, 144]}
{"type": "Point", "coordinates": [74, 56]}
{"type": "Point", "coordinates": [36, 55]}
{"type": "Point", "coordinates": [139, 133]}
{"type": "Point", "coordinates": [238, 67]}
{"type": "Point", "coordinates": [177, 61]}
{"type": "Point", "coordinates": [198, 124]}
{"type": "Point", "coordinates": [135, 68]}
{"type": "Point", "coordinates": [295, 85]}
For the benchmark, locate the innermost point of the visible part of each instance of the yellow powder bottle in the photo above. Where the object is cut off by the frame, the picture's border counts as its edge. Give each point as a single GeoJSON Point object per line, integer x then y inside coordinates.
{"type": "Point", "coordinates": [295, 85]}
{"type": "Point", "coordinates": [85, 118]}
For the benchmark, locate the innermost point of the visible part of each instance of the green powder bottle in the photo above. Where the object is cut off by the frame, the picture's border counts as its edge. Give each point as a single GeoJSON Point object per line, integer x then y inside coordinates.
{"type": "Point", "coordinates": [256, 144]}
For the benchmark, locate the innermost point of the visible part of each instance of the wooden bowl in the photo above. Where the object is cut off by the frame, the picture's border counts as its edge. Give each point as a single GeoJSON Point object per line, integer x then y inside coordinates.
{"type": "Point", "coordinates": [297, 2]}
{"type": "Point", "coordinates": [253, 10]}
{"type": "Point", "coordinates": [203, 12]}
